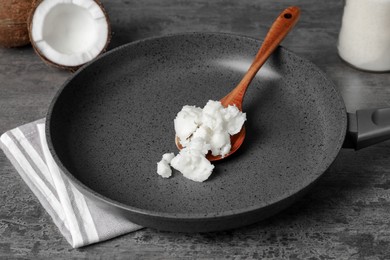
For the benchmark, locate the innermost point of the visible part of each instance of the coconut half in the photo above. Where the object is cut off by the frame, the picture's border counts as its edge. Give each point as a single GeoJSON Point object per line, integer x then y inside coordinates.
{"type": "Point", "coordinates": [69, 33]}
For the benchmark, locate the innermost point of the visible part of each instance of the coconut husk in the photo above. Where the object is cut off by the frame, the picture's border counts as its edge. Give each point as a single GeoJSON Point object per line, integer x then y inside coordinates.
{"type": "Point", "coordinates": [13, 22]}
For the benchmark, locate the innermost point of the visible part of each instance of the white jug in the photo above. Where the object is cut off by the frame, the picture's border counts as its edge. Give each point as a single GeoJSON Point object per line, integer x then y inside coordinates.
{"type": "Point", "coordinates": [364, 39]}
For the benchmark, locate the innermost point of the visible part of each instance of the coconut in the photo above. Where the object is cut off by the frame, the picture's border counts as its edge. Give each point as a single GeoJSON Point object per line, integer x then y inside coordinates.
{"type": "Point", "coordinates": [13, 22]}
{"type": "Point", "coordinates": [69, 33]}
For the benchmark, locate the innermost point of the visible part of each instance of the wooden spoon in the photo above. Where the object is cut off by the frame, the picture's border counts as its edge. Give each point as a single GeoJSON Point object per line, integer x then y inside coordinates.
{"type": "Point", "coordinates": [278, 31]}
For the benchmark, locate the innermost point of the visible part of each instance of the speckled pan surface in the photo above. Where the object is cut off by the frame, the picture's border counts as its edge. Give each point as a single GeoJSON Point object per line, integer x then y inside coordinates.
{"type": "Point", "coordinates": [111, 122]}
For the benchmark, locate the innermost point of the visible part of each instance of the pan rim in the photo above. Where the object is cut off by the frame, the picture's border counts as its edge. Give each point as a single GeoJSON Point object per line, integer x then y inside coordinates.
{"type": "Point", "coordinates": [192, 216]}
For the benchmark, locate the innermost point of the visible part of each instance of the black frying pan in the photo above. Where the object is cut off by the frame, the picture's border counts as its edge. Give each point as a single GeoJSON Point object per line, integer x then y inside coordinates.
{"type": "Point", "coordinates": [111, 122]}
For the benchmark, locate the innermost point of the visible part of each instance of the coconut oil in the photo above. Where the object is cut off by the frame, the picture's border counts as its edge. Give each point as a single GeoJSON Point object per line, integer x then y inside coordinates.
{"type": "Point", "coordinates": [364, 39]}
{"type": "Point", "coordinates": [200, 131]}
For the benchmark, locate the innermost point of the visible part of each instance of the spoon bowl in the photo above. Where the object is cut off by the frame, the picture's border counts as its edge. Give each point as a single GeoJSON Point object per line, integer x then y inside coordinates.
{"type": "Point", "coordinates": [278, 31]}
{"type": "Point", "coordinates": [235, 140]}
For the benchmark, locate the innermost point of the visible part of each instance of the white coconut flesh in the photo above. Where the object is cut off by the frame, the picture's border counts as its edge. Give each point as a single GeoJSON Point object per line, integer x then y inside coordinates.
{"type": "Point", "coordinates": [69, 32]}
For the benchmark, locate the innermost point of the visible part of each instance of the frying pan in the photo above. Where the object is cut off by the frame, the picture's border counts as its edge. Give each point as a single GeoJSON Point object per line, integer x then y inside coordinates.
{"type": "Point", "coordinates": [110, 123]}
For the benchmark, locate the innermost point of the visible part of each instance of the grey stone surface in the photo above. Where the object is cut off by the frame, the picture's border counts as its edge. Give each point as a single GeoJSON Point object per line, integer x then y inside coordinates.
{"type": "Point", "coordinates": [346, 216]}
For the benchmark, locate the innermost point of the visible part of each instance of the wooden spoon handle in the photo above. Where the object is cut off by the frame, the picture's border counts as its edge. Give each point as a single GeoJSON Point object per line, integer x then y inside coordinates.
{"type": "Point", "coordinates": [279, 29]}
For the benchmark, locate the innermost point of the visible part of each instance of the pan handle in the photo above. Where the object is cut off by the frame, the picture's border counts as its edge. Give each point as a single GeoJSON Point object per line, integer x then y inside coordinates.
{"type": "Point", "coordinates": [367, 127]}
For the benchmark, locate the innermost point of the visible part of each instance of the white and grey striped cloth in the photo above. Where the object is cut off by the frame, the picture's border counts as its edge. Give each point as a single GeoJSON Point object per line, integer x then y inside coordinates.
{"type": "Point", "coordinates": [80, 221]}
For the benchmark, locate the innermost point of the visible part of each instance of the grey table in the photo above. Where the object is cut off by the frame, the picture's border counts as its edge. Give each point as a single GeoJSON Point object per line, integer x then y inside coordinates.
{"type": "Point", "coordinates": [346, 216]}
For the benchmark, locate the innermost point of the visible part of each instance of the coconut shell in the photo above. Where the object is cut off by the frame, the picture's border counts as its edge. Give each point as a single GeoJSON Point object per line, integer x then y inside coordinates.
{"type": "Point", "coordinates": [35, 5]}
{"type": "Point", "coordinates": [13, 22]}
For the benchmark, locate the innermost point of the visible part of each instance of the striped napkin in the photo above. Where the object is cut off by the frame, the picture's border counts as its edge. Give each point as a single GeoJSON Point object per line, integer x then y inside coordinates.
{"type": "Point", "coordinates": [79, 220]}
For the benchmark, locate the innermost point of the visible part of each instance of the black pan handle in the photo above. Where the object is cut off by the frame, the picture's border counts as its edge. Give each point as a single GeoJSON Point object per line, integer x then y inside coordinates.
{"type": "Point", "coordinates": [367, 127]}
